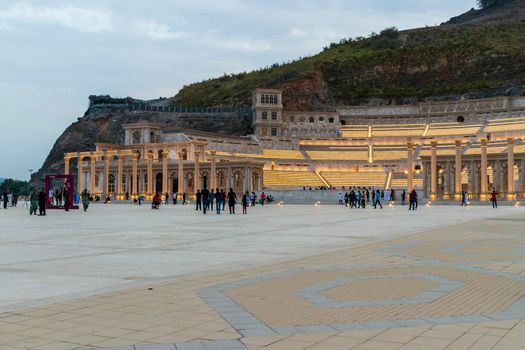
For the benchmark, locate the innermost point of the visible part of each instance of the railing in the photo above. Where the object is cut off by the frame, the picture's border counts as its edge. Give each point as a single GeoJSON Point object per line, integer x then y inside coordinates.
{"type": "Point", "coordinates": [181, 109]}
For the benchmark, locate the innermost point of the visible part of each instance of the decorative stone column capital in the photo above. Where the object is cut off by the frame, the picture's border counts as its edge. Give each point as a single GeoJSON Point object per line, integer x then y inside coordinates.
{"type": "Point", "coordinates": [458, 143]}
{"type": "Point", "coordinates": [511, 142]}
{"type": "Point", "coordinates": [483, 141]}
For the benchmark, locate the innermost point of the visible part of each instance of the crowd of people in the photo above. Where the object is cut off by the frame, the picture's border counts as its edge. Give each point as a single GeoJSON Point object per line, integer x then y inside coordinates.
{"type": "Point", "coordinates": [217, 199]}
{"type": "Point", "coordinates": [358, 198]}
{"type": "Point", "coordinates": [211, 200]}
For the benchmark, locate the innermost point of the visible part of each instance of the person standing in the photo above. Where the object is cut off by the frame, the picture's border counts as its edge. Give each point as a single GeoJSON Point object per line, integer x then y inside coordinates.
{"type": "Point", "coordinates": [174, 199]}
{"type": "Point", "coordinates": [167, 198]}
{"type": "Point", "coordinates": [184, 198]}
{"type": "Point", "coordinates": [67, 200]}
{"type": "Point", "coordinates": [85, 200]}
{"type": "Point", "coordinates": [212, 198]}
{"type": "Point", "coordinates": [494, 198]}
{"type": "Point", "coordinates": [223, 201]}
{"type": "Point", "coordinates": [218, 199]}
{"type": "Point", "coordinates": [198, 200]}
{"type": "Point", "coordinates": [5, 198]}
{"type": "Point", "coordinates": [412, 197]}
{"type": "Point", "coordinates": [41, 203]}
{"type": "Point", "coordinates": [232, 198]}
{"type": "Point", "coordinates": [403, 197]}
{"type": "Point", "coordinates": [245, 203]}
{"type": "Point", "coordinates": [205, 193]}
{"type": "Point", "coordinates": [340, 197]}
{"type": "Point", "coordinates": [33, 203]}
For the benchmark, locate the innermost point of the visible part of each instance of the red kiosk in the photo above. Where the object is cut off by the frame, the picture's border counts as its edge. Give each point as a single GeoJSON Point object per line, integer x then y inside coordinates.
{"type": "Point", "coordinates": [69, 184]}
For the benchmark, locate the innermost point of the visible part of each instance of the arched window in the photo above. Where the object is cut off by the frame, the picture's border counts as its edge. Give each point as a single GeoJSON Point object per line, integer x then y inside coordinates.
{"type": "Point", "coordinates": [292, 119]}
{"type": "Point", "coordinates": [264, 132]}
{"type": "Point", "coordinates": [331, 120]}
{"type": "Point", "coordinates": [265, 115]}
{"type": "Point", "coordinates": [274, 115]}
{"type": "Point", "coordinates": [274, 132]}
{"type": "Point", "coordinates": [321, 119]}
{"type": "Point", "coordinates": [312, 119]}
{"type": "Point", "coordinates": [343, 122]}
{"type": "Point", "coordinates": [184, 154]}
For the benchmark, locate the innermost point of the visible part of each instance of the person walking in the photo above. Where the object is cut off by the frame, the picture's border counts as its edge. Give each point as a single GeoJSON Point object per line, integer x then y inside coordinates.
{"type": "Point", "coordinates": [205, 193]}
{"type": "Point", "coordinates": [494, 198]}
{"type": "Point", "coordinates": [198, 200]}
{"type": "Point", "coordinates": [184, 198]}
{"type": "Point", "coordinates": [167, 198]}
{"type": "Point", "coordinates": [340, 197]}
{"type": "Point", "coordinates": [85, 200]}
{"type": "Point", "coordinates": [378, 200]}
{"type": "Point", "coordinates": [232, 198]}
{"type": "Point", "coordinates": [174, 198]}
{"type": "Point", "coordinates": [41, 203]}
{"type": "Point", "coordinates": [245, 203]}
{"type": "Point", "coordinates": [403, 197]}
{"type": "Point", "coordinates": [464, 198]}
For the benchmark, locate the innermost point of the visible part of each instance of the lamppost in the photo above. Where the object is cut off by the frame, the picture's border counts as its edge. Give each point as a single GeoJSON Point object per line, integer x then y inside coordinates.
{"type": "Point", "coordinates": [30, 174]}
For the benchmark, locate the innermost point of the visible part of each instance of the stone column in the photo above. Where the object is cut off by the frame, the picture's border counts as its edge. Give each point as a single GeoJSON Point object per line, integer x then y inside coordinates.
{"type": "Point", "coordinates": [511, 191]}
{"type": "Point", "coordinates": [180, 188]}
{"type": "Point", "coordinates": [471, 178]}
{"type": "Point", "coordinates": [433, 171]}
{"type": "Point", "coordinates": [92, 175]}
{"type": "Point", "coordinates": [483, 196]}
{"type": "Point", "coordinates": [165, 172]}
{"type": "Point", "coordinates": [426, 188]}
{"type": "Point", "coordinates": [66, 165]}
{"type": "Point", "coordinates": [446, 180]}
{"type": "Point", "coordinates": [410, 166]}
{"type": "Point", "coordinates": [522, 177]}
{"type": "Point", "coordinates": [120, 167]}
{"type": "Point", "coordinates": [106, 174]}
{"type": "Point", "coordinates": [496, 172]}
{"type": "Point", "coordinates": [134, 176]}
{"type": "Point", "coordinates": [150, 174]}
{"type": "Point", "coordinates": [80, 174]}
{"type": "Point", "coordinates": [197, 173]}
{"type": "Point", "coordinates": [246, 181]}
{"type": "Point", "coordinates": [229, 182]}
{"type": "Point", "coordinates": [213, 170]}
{"type": "Point", "coordinates": [457, 182]}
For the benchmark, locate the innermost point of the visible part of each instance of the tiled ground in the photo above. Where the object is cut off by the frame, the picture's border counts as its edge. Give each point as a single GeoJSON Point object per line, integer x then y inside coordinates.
{"type": "Point", "coordinates": [456, 287]}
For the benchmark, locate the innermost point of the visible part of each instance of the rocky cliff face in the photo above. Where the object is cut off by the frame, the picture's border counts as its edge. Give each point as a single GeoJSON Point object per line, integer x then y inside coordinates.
{"type": "Point", "coordinates": [510, 11]}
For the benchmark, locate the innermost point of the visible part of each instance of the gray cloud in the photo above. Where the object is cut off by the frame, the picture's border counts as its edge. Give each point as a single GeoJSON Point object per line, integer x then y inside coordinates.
{"type": "Point", "coordinates": [54, 53]}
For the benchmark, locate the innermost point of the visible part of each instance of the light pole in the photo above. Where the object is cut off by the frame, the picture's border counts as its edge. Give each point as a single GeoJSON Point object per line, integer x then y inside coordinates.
{"type": "Point", "coordinates": [30, 174]}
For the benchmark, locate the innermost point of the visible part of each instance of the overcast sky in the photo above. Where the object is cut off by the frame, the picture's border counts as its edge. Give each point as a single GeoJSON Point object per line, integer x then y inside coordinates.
{"type": "Point", "coordinates": [54, 54]}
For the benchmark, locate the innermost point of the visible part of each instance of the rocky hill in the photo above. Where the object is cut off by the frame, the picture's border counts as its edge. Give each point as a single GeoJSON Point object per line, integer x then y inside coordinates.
{"type": "Point", "coordinates": [478, 54]}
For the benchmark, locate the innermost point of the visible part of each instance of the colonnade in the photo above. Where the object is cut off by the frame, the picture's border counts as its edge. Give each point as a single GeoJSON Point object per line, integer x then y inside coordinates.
{"type": "Point", "coordinates": [450, 172]}
{"type": "Point", "coordinates": [148, 165]}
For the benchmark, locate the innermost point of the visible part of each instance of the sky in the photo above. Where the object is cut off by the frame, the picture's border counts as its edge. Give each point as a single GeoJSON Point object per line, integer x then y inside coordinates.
{"type": "Point", "coordinates": [54, 54]}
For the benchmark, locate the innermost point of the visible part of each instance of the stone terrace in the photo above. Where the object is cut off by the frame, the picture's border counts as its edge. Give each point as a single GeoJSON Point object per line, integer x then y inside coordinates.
{"type": "Point", "coordinates": [291, 277]}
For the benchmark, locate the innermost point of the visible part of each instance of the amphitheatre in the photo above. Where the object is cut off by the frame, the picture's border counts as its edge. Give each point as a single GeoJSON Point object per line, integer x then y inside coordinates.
{"type": "Point", "coordinates": [441, 148]}
{"type": "Point", "coordinates": [438, 112]}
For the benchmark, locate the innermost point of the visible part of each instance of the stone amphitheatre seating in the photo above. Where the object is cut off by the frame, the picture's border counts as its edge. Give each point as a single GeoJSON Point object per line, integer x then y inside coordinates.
{"type": "Point", "coordinates": [398, 130]}
{"type": "Point", "coordinates": [400, 181]}
{"type": "Point", "coordinates": [452, 129]}
{"type": "Point", "coordinates": [359, 154]}
{"type": "Point", "coordinates": [504, 125]}
{"type": "Point", "coordinates": [287, 179]}
{"type": "Point", "coordinates": [360, 179]}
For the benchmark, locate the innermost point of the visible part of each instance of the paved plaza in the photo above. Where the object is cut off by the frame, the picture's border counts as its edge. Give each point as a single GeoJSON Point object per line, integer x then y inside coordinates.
{"type": "Point", "coordinates": [282, 277]}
